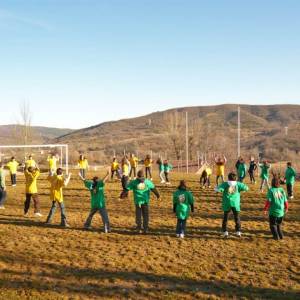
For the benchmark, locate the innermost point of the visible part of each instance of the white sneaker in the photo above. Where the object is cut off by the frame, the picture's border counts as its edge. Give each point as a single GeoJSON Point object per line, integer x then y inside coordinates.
{"type": "Point", "coordinates": [2, 207]}
{"type": "Point", "coordinates": [162, 181]}
{"type": "Point", "coordinates": [38, 214]}
{"type": "Point", "coordinates": [26, 215]}
{"type": "Point", "coordinates": [225, 234]}
{"type": "Point", "coordinates": [181, 235]}
{"type": "Point", "coordinates": [292, 197]}
{"type": "Point", "coordinates": [168, 183]}
{"type": "Point", "coordinates": [177, 235]}
{"type": "Point", "coordinates": [14, 185]}
{"type": "Point", "coordinates": [238, 233]}
{"type": "Point", "coordinates": [151, 179]}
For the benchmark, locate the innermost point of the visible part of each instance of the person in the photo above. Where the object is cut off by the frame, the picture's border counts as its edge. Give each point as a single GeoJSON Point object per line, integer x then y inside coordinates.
{"type": "Point", "coordinates": [30, 162]}
{"type": "Point", "coordinates": [205, 177]}
{"type": "Point", "coordinates": [237, 164]}
{"type": "Point", "coordinates": [161, 170]}
{"type": "Point", "coordinates": [114, 168]}
{"type": "Point", "coordinates": [134, 161]}
{"type": "Point", "coordinates": [52, 161]}
{"type": "Point", "coordinates": [96, 188]}
{"type": "Point", "coordinates": [231, 202]}
{"type": "Point", "coordinates": [167, 169]}
{"type": "Point", "coordinates": [252, 169]}
{"type": "Point", "coordinates": [264, 174]}
{"type": "Point", "coordinates": [83, 165]}
{"type": "Point", "coordinates": [148, 166]}
{"type": "Point", "coordinates": [242, 170]}
{"type": "Point", "coordinates": [57, 183]}
{"type": "Point", "coordinates": [125, 165]}
{"type": "Point", "coordinates": [277, 205]}
{"type": "Point", "coordinates": [183, 203]}
{"type": "Point", "coordinates": [220, 168]}
{"type": "Point", "coordinates": [12, 165]}
{"type": "Point", "coordinates": [141, 188]}
{"type": "Point", "coordinates": [2, 187]}
{"type": "Point", "coordinates": [31, 176]}
{"type": "Point", "coordinates": [290, 177]}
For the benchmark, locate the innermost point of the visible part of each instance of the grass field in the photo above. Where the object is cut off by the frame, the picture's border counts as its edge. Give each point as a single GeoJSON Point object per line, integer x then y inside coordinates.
{"type": "Point", "coordinates": [42, 262]}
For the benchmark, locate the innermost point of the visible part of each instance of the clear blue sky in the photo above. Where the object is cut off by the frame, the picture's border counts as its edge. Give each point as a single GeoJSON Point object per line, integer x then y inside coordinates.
{"type": "Point", "coordinates": [82, 62]}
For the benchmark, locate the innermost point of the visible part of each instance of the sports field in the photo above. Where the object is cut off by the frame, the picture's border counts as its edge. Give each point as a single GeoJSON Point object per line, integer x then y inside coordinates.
{"type": "Point", "coordinates": [48, 262]}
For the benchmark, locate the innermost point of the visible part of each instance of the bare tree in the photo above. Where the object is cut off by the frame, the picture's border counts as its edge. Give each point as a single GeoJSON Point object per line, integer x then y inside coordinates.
{"type": "Point", "coordinates": [25, 121]}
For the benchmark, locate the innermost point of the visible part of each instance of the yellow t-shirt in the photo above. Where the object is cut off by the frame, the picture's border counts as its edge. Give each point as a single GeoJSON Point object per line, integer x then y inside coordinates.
{"type": "Point", "coordinates": [31, 181]}
{"type": "Point", "coordinates": [125, 170]}
{"type": "Point", "coordinates": [148, 162]}
{"type": "Point", "coordinates": [220, 169]}
{"type": "Point", "coordinates": [115, 166]}
{"type": "Point", "coordinates": [83, 164]}
{"type": "Point", "coordinates": [52, 163]}
{"type": "Point", "coordinates": [56, 188]}
{"type": "Point", "coordinates": [30, 163]}
{"type": "Point", "coordinates": [134, 162]}
{"type": "Point", "coordinates": [13, 166]}
{"type": "Point", "coordinates": [208, 171]}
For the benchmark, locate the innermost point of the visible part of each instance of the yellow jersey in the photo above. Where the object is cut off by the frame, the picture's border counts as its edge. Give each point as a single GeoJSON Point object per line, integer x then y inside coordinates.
{"type": "Point", "coordinates": [114, 166]}
{"type": "Point", "coordinates": [12, 166]}
{"type": "Point", "coordinates": [125, 170]}
{"type": "Point", "coordinates": [30, 163]}
{"type": "Point", "coordinates": [56, 188]}
{"type": "Point", "coordinates": [31, 181]}
{"type": "Point", "coordinates": [83, 164]}
{"type": "Point", "coordinates": [208, 171]}
{"type": "Point", "coordinates": [52, 163]}
{"type": "Point", "coordinates": [148, 163]}
{"type": "Point", "coordinates": [134, 162]}
{"type": "Point", "coordinates": [220, 169]}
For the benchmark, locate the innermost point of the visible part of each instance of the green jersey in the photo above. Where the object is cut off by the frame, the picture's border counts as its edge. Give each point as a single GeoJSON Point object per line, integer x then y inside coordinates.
{"type": "Point", "coordinates": [264, 171]}
{"type": "Point", "coordinates": [141, 190]}
{"type": "Point", "coordinates": [242, 169]}
{"type": "Point", "coordinates": [97, 193]}
{"type": "Point", "coordinates": [290, 175]}
{"type": "Point", "coordinates": [231, 194]}
{"type": "Point", "coordinates": [168, 168]}
{"type": "Point", "coordinates": [183, 199]}
{"type": "Point", "coordinates": [277, 198]}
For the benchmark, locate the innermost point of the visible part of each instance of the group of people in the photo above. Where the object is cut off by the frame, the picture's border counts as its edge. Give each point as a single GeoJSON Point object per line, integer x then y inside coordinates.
{"type": "Point", "coordinates": [142, 187]}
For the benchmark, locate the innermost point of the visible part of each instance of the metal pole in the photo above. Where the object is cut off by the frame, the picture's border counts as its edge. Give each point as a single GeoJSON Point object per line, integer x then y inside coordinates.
{"type": "Point", "coordinates": [61, 156]}
{"type": "Point", "coordinates": [239, 132]}
{"type": "Point", "coordinates": [187, 141]}
{"type": "Point", "coordinates": [67, 159]}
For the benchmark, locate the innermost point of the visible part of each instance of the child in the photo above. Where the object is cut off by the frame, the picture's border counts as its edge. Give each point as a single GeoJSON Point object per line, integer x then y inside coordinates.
{"type": "Point", "coordinates": [125, 172]}
{"type": "Point", "coordinates": [220, 168]}
{"type": "Point", "coordinates": [264, 174]}
{"type": "Point", "coordinates": [31, 176]}
{"type": "Point", "coordinates": [52, 161]}
{"type": "Point", "coordinates": [83, 165]}
{"type": "Point", "coordinates": [167, 168]}
{"type": "Point", "coordinates": [148, 166]}
{"type": "Point", "coordinates": [96, 188]}
{"type": "Point", "coordinates": [205, 177]}
{"type": "Point", "coordinates": [231, 202]}
{"type": "Point", "coordinates": [161, 170]}
{"type": "Point", "coordinates": [12, 165]}
{"type": "Point", "coordinates": [30, 162]}
{"type": "Point", "coordinates": [141, 188]}
{"type": "Point", "coordinates": [290, 176]}
{"type": "Point", "coordinates": [57, 182]}
{"type": "Point", "coordinates": [2, 187]}
{"type": "Point", "coordinates": [252, 169]}
{"type": "Point", "coordinates": [242, 169]}
{"type": "Point", "coordinates": [277, 205]}
{"type": "Point", "coordinates": [183, 203]}
{"type": "Point", "coordinates": [114, 168]}
{"type": "Point", "coordinates": [133, 164]}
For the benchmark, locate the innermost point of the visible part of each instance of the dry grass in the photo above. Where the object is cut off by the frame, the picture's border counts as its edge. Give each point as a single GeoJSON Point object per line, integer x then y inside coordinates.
{"type": "Point", "coordinates": [39, 262]}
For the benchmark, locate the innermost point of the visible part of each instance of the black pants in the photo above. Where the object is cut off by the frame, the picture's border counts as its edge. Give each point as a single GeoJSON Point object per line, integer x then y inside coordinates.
{"type": "Point", "coordinates": [217, 179]}
{"type": "Point", "coordinates": [142, 211]}
{"type": "Point", "coordinates": [13, 178]}
{"type": "Point", "coordinates": [36, 202]}
{"type": "Point", "coordinates": [132, 170]}
{"type": "Point", "coordinates": [181, 226]}
{"type": "Point", "coordinates": [113, 173]}
{"type": "Point", "coordinates": [167, 176]}
{"type": "Point", "coordinates": [289, 188]}
{"type": "Point", "coordinates": [2, 196]}
{"type": "Point", "coordinates": [252, 178]}
{"type": "Point", "coordinates": [275, 223]}
{"type": "Point", "coordinates": [148, 172]}
{"type": "Point", "coordinates": [124, 181]}
{"type": "Point", "coordinates": [241, 178]}
{"type": "Point", "coordinates": [82, 172]}
{"type": "Point", "coordinates": [205, 180]}
{"type": "Point", "coordinates": [237, 220]}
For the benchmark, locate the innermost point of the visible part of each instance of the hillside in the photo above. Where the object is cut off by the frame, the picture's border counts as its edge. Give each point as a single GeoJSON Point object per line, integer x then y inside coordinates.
{"type": "Point", "coordinates": [212, 129]}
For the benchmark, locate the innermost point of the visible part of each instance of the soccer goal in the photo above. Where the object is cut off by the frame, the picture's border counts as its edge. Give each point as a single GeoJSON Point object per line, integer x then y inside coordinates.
{"type": "Point", "coordinates": [61, 149]}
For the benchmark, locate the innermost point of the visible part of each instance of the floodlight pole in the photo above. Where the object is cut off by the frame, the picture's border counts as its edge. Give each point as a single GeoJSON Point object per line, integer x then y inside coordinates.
{"type": "Point", "coordinates": [239, 132]}
{"type": "Point", "coordinates": [187, 141]}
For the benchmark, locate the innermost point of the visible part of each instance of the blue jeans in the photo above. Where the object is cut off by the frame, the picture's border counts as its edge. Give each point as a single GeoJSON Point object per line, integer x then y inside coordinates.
{"type": "Point", "coordinates": [2, 197]}
{"type": "Point", "coordinates": [181, 226]}
{"type": "Point", "coordinates": [103, 214]}
{"type": "Point", "coordinates": [62, 212]}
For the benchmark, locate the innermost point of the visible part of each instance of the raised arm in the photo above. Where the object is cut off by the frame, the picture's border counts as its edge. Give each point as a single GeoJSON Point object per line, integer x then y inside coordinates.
{"type": "Point", "coordinates": [104, 179]}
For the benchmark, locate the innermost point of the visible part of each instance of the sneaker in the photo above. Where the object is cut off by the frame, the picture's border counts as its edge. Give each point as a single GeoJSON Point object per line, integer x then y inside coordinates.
{"type": "Point", "coordinates": [87, 227]}
{"type": "Point", "coordinates": [181, 235]}
{"type": "Point", "coordinates": [292, 197]}
{"type": "Point", "coordinates": [162, 181]}
{"type": "Point", "coordinates": [151, 179]}
{"type": "Point", "coordinates": [26, 214]}
{"type": "Point", "coordinates": [14, 185]}
{"type": "Point", "coordinates": [178, 235]}
{"type": "Point", "coordinates": [2, 207]}
{"type": "Point", "coordinates": [225, 234]}
{"type": "Point", "coordinates": [66, 225]}
{"type": "Point", "coordinates": [38, 214]}
{"type": "Point", "coordinates": [238, 233]}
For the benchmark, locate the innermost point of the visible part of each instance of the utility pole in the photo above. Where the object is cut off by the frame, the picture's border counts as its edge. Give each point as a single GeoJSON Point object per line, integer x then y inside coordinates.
{"type": "Point", "coordinates": [239, 132]}
{"type": "Point", "coordinates": [187, 141]}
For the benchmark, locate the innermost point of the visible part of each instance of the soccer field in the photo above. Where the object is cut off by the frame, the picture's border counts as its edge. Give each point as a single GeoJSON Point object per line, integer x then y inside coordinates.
{"type": "Point", "coordinates": [49, 262]}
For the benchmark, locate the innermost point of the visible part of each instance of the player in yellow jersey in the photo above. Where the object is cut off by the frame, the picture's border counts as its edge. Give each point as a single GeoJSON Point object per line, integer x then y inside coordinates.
{"type": "Point", "coordinates": [134, 161]}
{"type": "Point", "coordinates": [220, 168]}
{"type": "Point", "coordinates": [30, 162]}
{"type": "Point", "coordinates": [125, 166]}
{"type": "Point", "coordinates": [148, 166]}
{"type": "Point", "coordinates": [115, 169]}
{"type": "Point", "coordinates": [12, 165]}
{"type": "Point", "coordinates": [52, 161]}
{"type": "Point", "coordinates": [83, 165]}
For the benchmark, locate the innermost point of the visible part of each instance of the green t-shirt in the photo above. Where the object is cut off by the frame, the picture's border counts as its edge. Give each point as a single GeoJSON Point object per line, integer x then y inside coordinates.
{"type": "Point", "coordinates": [264, 169]}
{"type": "Point", "coordinates": [277, 198]}
{"type": "Point", "coordinates": [161, 167]}
{"type": "Point", "coordinates": [231, 194]}
{"type": "Point", "coordinates": [97, 194]}
{"type": "Point", "coordinates": [242, 169]}
{"type": "Point", "coordinates": [290, 175]}
{"type": "Point", "coordinates": [183, 200]}
{"type": "Point", "coordinates": [168, 168]}
{"type": "Point", "coordinates": [141, 190]}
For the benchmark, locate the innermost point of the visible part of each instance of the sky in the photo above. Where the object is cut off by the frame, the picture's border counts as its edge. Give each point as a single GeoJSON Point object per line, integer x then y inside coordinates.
{"type": "Point", "coordinates": [83, 62]}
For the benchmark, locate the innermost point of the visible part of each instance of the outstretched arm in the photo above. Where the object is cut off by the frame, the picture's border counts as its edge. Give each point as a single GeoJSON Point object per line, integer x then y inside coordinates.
{"type": "Point", "coordinates": [104, 179]}
{"type": "Point", "coordinates": [155, 192]}
{"type": "Point", "coordinates": [67, 180]}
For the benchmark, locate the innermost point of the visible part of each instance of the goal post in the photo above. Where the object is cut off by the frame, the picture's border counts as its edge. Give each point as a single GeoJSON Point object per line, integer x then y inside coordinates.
{"type": "Point", "coordinates": [64, 151]}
